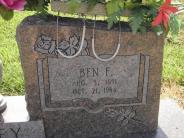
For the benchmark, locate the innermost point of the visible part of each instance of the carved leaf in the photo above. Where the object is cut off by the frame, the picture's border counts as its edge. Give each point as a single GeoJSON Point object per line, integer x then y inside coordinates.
{"type": "Point", "coordinates": [125, 122]}
{"type": "Point", "coordinates": [128, 111]}
{"type": "Point", "coordinates": [46, 42]}
{"type": "Point", "coordinates": [43, 42]}
{"type": "Point", "coordinates": [85, 50]}
{"type": "Point", "coordinates": [121, 118]}
{"type": "Point", "coordinates": [73, 41]}
{"type": "Point", "coordinates": [39, 42]}
{"type": "Point", "coordinates": [53, 47]}
{"type": "Point", "coordinates": [69, 47]}
{"type": "Point", "coordinates": [132, 114]}
{"type": "Point", "coordinates": [112, 113]}
{"type": "Point", "coordinates": [63, 45]}
{"type": "Point", "coordinates": [122, 111]}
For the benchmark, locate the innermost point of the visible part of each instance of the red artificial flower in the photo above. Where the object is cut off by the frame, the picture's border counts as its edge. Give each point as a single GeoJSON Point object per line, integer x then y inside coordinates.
{"type": "Point", "coordinates": [13, 4]}
{"type": "Point", "coordinates": [163, 16]}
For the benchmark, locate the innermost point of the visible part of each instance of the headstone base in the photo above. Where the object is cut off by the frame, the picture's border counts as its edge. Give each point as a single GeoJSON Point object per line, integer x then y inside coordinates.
{"type": "Point", "coordinates": [16, 122]}
{"type": "Point", "coordinates": [170, 126]}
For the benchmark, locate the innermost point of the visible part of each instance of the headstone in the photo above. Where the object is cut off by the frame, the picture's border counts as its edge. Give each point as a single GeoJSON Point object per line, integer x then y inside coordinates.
{"type": "Point", "coordinates": [84, 97]}
{"type": "Point", "coordinates": [32, 129]}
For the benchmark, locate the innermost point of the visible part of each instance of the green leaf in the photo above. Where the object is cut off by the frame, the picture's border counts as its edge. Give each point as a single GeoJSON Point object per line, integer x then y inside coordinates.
{"type": "Point", "coordinates": [141, 18]}
{"type": "Point", "coordinates": [92, 3]}
{"type": "Point", "coordinates": [5, 13]}
{"type": "Point", "coordinates": [112, 20]}
{"type": "Point", "coordinates": [114, 6]}
{"type": "Point", "coordinates": [142, 29]}
{"type": "Point", "coordinates": [158, 29]}
{"type": "Point", "coordinates": [40, 6]}
{"type": "Point", "coordinates": [114, 11]}
{"type": "Point", "coordinates": [135, 23]}
{"type": "Point", "coordinates": [174, 25]}
{"type": "Point", "coordinates": [73, 5]}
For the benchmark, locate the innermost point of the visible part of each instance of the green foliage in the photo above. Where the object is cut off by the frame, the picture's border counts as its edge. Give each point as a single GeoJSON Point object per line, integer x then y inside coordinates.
{"type": "Point", "coordinates": [174, 25]}
{"type": "Point", "coordinates": [141, 18]}
{"type": "Point", "coordinates": [73, 5]}
{"type": "Point", "coordinates": [113, 19]}
{"type": "Point", "coordinates": [92, 3]}
{"type": "Point", "coordinates": [13, 80]}
{"type": "Point", "coordinates": [142, 12]}
{"type": "Point", "coordinates": [135, 22]}
{"type": "Point", "coordinates": [114, 11]}
{"type": "Point", "coordinates": [114, 6]}
{"type": "Point", "coordinates": [6, 14]}
{"type": "Point", "coordinates": [37, 5]}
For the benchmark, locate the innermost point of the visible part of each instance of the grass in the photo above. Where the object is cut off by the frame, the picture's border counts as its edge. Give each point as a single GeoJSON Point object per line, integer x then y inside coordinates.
{"type": "Point", "coordinates": [13, 82]}
{"type": "Point", "coordinates": [173, 67]}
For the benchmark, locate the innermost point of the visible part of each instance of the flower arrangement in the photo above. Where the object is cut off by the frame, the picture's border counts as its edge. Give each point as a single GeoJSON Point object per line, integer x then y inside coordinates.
{"type": "Point", "coordinates": [161, 15]}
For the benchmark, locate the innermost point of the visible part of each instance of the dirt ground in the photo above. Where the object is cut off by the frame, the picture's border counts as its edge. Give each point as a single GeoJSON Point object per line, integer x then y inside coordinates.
{"type": "Point", "coordinates": [173, 91]}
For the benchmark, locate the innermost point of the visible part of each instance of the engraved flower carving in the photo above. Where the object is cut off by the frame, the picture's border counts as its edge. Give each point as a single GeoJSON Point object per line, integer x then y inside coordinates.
{"type": "Point", "coordinates": [123, 115]}
{"type": "Point", "coordinates": [44, 42]}
{"type": "Point", "coordinates": [45, 45]}
{"type": "Point", "coordinates": [112, 113]}
{"type": "Point", "coordinates": [126, 115]}
{"type": "Point", "coordinates": [72, 46]}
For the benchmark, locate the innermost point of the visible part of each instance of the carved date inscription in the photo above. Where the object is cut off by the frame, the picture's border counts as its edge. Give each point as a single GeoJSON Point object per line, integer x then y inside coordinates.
{"type": "Point", "coordinates": [86, 77]}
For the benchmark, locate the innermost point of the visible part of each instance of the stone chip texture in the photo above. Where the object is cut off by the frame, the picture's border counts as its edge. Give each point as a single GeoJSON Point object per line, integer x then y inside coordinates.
{"type": "Point", "coordinates": [107, 117]}
{"type": "Point", "coordinates": [32, 129]}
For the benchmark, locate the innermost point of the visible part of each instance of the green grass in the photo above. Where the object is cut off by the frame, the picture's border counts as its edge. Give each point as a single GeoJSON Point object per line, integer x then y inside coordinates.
{"type": "Point", "coordinates": [13, 82]}
{"type": "Point", "coordinates": [173, 67]}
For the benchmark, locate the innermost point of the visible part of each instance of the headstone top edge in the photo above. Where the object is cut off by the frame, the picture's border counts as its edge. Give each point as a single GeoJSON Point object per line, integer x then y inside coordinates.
{"type": "Point", "coordinates": [68, 21]}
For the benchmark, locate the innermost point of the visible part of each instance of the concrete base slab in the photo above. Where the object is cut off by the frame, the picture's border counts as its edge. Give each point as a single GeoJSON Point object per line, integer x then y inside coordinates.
{"type": "Point", "coordinates": [16, 110]}
{"type": "Point", "coordinates": [171, 118]}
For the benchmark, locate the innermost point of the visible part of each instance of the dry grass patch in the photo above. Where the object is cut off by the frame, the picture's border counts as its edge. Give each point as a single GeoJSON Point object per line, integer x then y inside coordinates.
{"type": "Point", "coordinates": [173, 91]}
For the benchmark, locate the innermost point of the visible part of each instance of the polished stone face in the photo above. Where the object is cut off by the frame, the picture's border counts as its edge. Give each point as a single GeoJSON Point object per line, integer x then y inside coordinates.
{"type": "Point", "coordinates": [84, 97]}
{"type": "Point", "coordinates": [86, 77]}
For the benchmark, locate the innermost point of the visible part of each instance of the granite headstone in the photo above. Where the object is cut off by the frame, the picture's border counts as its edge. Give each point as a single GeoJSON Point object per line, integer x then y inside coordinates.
{"type": "Point", "coordinates": [84, 97]}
